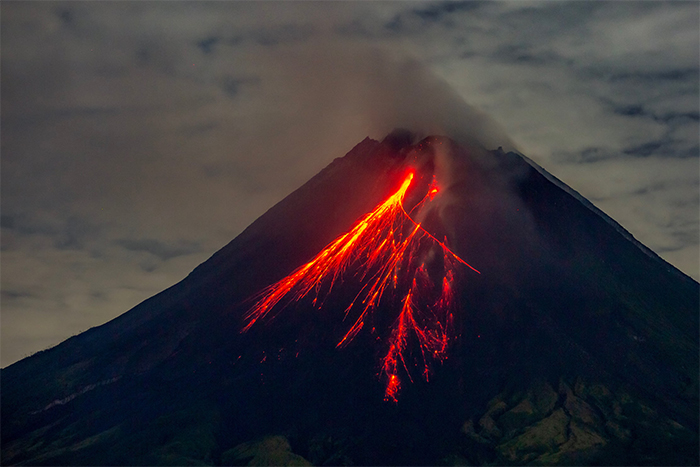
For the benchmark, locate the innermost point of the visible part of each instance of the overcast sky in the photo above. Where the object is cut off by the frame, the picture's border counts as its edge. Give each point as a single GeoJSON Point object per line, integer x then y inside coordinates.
{"type": "Point", "coordinates": [139, 138]}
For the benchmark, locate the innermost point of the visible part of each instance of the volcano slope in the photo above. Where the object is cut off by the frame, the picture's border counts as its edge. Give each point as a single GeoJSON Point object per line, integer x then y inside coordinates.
{"type": "Point", "coordinates": [573, 344]}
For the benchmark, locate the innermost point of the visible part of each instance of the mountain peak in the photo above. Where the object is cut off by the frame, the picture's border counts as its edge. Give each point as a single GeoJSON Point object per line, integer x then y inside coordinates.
{"type": "Point", "coordinates": [399, 138]}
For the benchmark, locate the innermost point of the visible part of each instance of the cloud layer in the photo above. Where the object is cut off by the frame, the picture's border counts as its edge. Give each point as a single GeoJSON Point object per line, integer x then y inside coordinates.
{"type": "Point", "coordinates": [139, 138]}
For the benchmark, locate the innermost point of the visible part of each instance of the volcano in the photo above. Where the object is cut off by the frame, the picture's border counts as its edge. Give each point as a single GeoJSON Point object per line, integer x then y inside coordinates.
{"type": "Point", "coordinates": [414, 303]}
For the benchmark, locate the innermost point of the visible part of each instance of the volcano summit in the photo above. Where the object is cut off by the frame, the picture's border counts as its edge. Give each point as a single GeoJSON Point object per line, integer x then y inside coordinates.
{"type": "Point", "coordinates": [416, 302]}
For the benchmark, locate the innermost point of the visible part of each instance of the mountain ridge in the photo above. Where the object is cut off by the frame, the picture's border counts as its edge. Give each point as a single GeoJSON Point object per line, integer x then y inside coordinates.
{"type": "Point", "coordinates": [627, 234]}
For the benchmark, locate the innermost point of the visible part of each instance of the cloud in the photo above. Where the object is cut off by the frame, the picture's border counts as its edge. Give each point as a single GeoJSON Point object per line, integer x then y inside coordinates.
{"type": "Point", "coordinates": [159, 249]}
{"type": "Point", "coordinates": [139, 138]}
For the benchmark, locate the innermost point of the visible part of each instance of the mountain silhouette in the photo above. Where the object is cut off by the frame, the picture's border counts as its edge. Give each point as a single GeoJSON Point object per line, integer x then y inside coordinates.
{"type": "Point", "coordinates": [565, 340]}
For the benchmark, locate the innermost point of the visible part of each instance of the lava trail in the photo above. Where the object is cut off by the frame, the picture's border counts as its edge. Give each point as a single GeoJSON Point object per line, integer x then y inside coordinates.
{"type": "Point", "coordinates": [390, 253]}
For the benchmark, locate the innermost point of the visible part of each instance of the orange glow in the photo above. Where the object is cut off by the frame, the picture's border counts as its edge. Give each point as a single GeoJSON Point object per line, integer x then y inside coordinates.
{"type": "Point", "coordinates": [388, 252]}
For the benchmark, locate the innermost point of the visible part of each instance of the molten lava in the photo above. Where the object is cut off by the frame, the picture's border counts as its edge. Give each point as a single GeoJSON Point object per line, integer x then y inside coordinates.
{"type": "Point", "coordinates": [389, 253]}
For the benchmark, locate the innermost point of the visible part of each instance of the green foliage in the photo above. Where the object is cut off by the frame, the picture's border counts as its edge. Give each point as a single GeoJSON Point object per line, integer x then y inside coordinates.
{"type": "Point", "coordinates": [272, 450]}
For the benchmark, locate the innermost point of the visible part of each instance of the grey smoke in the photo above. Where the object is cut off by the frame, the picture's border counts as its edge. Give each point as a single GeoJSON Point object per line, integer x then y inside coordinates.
{"type": "Point", "coordinates": [366, 90]}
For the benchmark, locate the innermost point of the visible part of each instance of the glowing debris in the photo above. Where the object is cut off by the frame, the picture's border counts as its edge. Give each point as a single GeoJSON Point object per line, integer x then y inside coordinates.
{"type": "Point", "coordinates": [389, 252]}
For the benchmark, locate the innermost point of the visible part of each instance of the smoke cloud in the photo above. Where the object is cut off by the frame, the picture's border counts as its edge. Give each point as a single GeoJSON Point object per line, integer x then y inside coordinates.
{"type": "Point", "coordinates": [352, 90]}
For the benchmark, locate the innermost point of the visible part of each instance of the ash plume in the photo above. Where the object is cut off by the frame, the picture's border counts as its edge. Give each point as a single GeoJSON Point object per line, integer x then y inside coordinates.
{"type": "Point", "coordinates": [349, 91]}
{"type": "Point", "coordinates": [345, 92]}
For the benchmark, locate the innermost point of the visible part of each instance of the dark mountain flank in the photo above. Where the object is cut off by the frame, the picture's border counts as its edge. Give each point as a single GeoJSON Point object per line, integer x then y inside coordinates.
{"type": "Point", "coordinates": [572, 344]}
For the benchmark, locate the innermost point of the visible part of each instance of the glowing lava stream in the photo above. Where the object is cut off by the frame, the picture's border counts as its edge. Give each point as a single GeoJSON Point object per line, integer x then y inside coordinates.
{"type": "Point", "coordinates": [387, 249]}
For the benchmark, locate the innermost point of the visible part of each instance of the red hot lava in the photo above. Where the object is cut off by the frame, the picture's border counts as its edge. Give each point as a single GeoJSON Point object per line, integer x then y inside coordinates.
{"type": "Point", "coordinates": [389, 252]}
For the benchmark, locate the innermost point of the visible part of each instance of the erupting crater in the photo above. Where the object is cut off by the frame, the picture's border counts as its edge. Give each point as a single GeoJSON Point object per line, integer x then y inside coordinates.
{"type": "Point", "coordinates": [396, 261]}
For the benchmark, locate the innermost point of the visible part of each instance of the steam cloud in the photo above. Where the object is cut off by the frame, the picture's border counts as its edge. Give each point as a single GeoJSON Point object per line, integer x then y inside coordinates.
{"type": "Point", "coordinates": [353, 91]}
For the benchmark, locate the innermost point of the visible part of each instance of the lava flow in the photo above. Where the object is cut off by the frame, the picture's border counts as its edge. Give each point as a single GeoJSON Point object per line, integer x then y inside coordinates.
{"type": "Point", "coordinates": [391, 255]}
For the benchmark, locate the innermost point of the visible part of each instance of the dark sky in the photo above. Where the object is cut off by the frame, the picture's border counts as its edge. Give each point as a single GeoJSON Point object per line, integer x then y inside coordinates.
{"type": "Point", "coordinates": [139, 138]}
